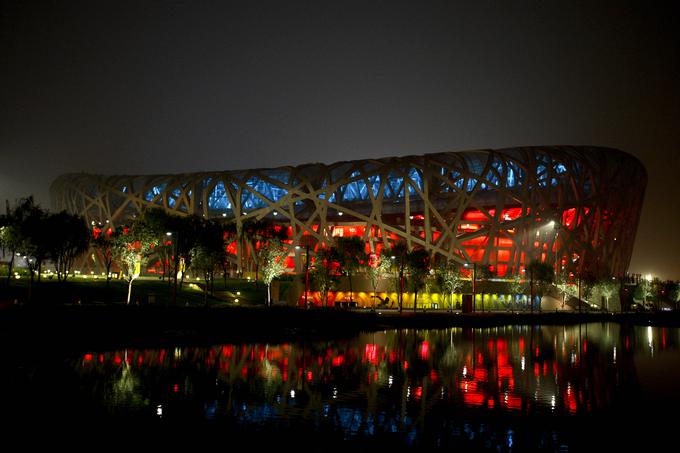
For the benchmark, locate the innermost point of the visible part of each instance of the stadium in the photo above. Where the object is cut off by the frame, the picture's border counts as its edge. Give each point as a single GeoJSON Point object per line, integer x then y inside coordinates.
{"type": "Point", "coordinates": [573, 207]}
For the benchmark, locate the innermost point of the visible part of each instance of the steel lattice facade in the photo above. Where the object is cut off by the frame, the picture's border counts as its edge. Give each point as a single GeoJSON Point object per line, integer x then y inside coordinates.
{"type": "Point", "coordinates": [492, 207]}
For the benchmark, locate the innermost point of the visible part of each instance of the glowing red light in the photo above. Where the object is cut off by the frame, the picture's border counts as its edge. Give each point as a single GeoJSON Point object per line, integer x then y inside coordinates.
{"type": "Point", "coordinates": [424, 352]}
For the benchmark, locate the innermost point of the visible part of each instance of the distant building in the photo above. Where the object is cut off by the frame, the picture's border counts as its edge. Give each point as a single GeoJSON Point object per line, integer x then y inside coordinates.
{"type": "Point", "coordinates": [574, 207]}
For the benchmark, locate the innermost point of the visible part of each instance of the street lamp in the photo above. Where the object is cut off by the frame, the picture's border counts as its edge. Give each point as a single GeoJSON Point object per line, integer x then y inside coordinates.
{"type": "Point", "coordinates": [306, 273]}
{"type": "Point", "coordinates": [474, 284]}
{"type": "Point", "coordinates": [176, 262]}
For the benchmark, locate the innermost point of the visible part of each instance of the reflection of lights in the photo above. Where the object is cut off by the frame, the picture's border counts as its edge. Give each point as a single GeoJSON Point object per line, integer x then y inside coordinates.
{"type": "Point", "coordinates": [552, 402]}
{"type": "Point", "coordinates": [464, 370]}
{"type": "Point", "coordinates": [159, 410]}
{"type": "Point", "coordinates": [292, 393]}
{"type": "Point", "coordinates": [523, 363]}
{"type": "Point", "coordinates": [335, 392]}
{"type": "Point", "coordinates": [614, 354]}
{"type": "Point", "coordinates": [390, 380]}
{"type": "Point", "coordinates": [650, 339]}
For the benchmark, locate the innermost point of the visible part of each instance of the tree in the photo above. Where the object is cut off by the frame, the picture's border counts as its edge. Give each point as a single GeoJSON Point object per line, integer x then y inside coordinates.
{"type": "Point", "coordinates": [418, 268]}
{"type": "Point", "coordinates": [543, 274]}
{"type": "Point", "coordinates": [324, 274]}
{"type": "Point", "coordinates": [674, 294]}
{"type": "Point", "coordinates": [378, 267]}
{"type": "Point", "coordinates": [208, 252]}
{"type": "Point", "coordinates": [161, 222]}
{"type": "Point", "coordinates": [350, 249]}
{"type": "Point", "coordinates": [606, 288]}
{"type": "Point", "coordinates": [69, 239]}
{"type": "Point", "coordinates": [565, 286]}
{"type": "Point", "coordinates": [10, 239]}
{"type": "Point", "coordinates": [132, 249]}
{"type": "Point", "coordinates": [254, 235]}
{"type": "Point", "coordinates": [104, 242]}
{"type": "Point", "coordinates": [272, 256]}
{"type": "Point", "coordinates": [517, 286]}
{"type": "Point", "coordinates": [643, 291]}
{"type": "Point", "coordinates": [449, 279]}
{"type": "Point", "coordinates": [399, 256]}
{"type": "Point", "coordinates": [204, 260]}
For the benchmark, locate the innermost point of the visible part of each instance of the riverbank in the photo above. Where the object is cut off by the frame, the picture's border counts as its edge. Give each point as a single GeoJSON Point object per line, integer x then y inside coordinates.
{"type": "Point", "coordinates": [118, 326]}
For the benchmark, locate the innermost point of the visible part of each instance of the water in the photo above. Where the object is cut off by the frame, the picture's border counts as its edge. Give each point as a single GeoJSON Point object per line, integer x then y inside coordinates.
{"type": "Point", "coordinates": [514, 388]}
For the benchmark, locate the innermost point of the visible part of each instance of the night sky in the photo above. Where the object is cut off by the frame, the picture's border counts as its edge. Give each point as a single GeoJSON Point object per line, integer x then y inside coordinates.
{"type": "Point", "coordinates": [168, 87]}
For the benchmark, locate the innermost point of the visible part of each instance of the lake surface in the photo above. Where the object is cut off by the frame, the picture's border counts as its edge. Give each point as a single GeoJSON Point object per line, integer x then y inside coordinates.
{"type": "Point", "coordinates": [514, 388]}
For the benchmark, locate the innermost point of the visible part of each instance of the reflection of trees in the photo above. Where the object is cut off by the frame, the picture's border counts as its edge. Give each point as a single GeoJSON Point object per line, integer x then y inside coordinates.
{"type": "Point", "coordinates": [383, 381]}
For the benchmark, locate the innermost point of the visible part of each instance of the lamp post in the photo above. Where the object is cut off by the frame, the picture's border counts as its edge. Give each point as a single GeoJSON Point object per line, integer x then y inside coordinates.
{"type": "Point", "coordinates": [306, 274]}
{"type": "Point", "coordinates": [176, 262]}
{"type": "Point", "coordinates": [474, 284]}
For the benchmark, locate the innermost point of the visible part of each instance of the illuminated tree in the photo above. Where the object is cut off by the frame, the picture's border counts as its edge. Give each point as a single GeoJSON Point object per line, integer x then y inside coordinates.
{"type": "Point", "coordinates": [104, 242]}
{"type": "Point", "coordinates": [272, 256]}
{"type": "Point", "coordinates": [606, 288]}
{"type": "Point", "coordinates": [324, 274]}
{"type": "Point", "coordinates": [10, 239]}
{"type": "Point", "coordinates": [674, 294]}
{"type": "Point", "coordinates": [132, 250]}
{"type": "Point", "coordinates": [378, 267]}
{"type": "Point", "coordinates": [162, 222]}
{"type": "Point", "coordinates": [449, 279]}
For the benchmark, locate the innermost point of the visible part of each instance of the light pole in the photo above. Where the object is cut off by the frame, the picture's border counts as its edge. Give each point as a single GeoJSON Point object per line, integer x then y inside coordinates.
{"type": "Point", "coordinates": [306, 274]}
{"type": "Point", "coordinates": [176, 262]}
{"type": "Point", "coordinates": [474, 284]}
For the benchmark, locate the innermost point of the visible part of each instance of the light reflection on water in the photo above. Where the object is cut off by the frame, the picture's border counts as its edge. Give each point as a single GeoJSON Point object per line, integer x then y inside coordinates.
{"type": "Point", "coordinates": [507, 388]}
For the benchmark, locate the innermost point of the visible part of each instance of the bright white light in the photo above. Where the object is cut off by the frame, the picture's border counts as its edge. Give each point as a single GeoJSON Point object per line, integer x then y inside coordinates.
{"type": "Point", "coordinates": [522, 363]}
{"type": "Point", "coordinates": [464, 370]}
{"type": "Point", "coordinates": [276, 213]}
{"type": "Point", "coordinates": [390, 380]}
{"type": "Point", "coordinates": [340, 213]}
{"type": "Point", "coordinates": [335, 392]}
{"type": "Point", "coordinates": [224, 214]}
{"type": "Point", "coordinates": [292, 393]}
{"type": "Point", "coordinates": [159, 410]}
{"type": "Point", "coordinates": [552, 402]}
{"type": "Point", "coordinates": [169, 233]}
{"type": "Point", "coordinates": [551, 223]}
{"type": "Point", "coordinates": [648, 277]}
{"type": "Point", "coordinates": [238, 293]}
{"type": "Point", "coordinates": [410, 217]}
{"type": "Point", "coordinates": [614, 354]}
{"type": "Point", "coordinates": [297, 247]}
{"type": "Point", "coordinates": [235, 301]}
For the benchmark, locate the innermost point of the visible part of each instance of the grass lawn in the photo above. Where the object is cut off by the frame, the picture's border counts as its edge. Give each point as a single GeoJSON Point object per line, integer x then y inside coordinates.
{"type": "Point", "coordinates": [152, 291]}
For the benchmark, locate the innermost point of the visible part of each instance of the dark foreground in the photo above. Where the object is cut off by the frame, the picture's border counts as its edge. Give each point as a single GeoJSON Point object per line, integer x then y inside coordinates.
{"type": "Point", "coordinates": [108, 327]}
{"type": "Point", "coordinates": [553, 384]}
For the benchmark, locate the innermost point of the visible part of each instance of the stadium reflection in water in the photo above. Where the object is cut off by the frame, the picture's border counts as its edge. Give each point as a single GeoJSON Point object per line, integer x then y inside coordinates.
{"type": "Point", "coordinates": [500, 388]}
